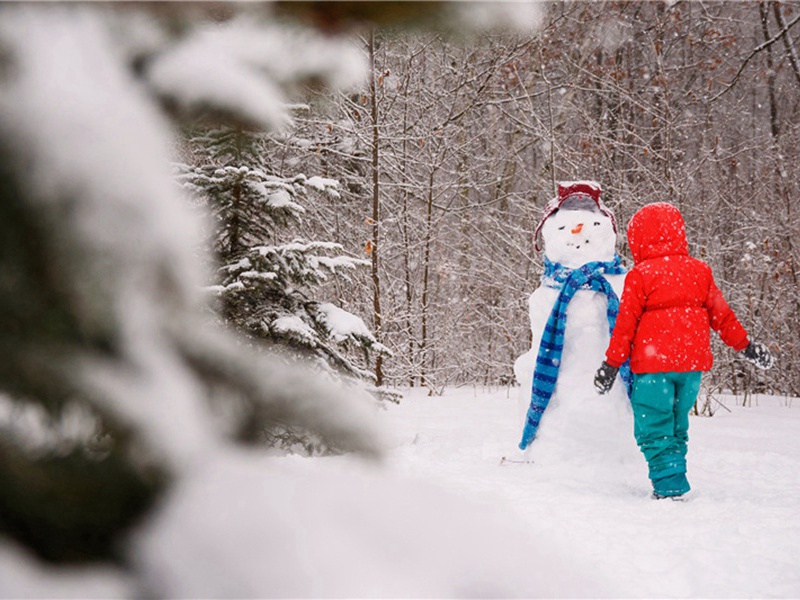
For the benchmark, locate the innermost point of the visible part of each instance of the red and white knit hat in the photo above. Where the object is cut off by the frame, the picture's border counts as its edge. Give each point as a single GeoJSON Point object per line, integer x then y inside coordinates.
{"type": "Point", "coordinates": [574, 191]}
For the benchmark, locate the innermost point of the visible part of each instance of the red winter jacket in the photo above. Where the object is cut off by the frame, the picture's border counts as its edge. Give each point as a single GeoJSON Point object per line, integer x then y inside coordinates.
{"type": "Point", "coordinates": [669, 301]}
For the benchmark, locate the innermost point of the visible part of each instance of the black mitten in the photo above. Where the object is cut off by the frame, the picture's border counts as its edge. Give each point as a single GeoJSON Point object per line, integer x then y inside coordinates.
{"type": "Point", "coordinates": [604, 378]}
{"type": "Point", "coordinates": [758, 354]}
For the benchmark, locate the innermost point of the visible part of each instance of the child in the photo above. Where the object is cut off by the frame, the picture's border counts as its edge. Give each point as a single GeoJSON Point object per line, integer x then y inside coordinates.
{"type": "Point", "coordinates": [668, 304]}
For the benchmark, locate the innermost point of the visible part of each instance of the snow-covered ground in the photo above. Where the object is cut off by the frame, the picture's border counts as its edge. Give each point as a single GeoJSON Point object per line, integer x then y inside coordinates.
{"type": "Point", "coordinates": [440, 517]}
{"type": "Point", "coordinates": [738, 535]}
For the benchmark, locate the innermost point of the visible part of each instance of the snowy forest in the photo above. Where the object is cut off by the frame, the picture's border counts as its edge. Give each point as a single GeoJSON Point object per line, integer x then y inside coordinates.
{"type": "Point", "coordinates": [265, 273]}
{"type": "Point", "coordinates": [446, 157]}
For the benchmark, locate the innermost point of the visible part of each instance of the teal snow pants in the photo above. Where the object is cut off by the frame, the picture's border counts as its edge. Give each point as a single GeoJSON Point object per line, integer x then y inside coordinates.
{"type": "Point", "coordinates": [661, 404]}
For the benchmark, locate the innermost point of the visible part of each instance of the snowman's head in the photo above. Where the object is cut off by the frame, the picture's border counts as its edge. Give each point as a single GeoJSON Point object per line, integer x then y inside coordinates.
{"type": "Point", "coordinates": [576, 237]}
{"type": "Point", "coordinates": [577, 228]}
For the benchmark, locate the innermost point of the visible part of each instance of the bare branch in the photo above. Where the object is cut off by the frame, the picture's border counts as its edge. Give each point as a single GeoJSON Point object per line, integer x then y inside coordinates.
{"type": "Point", "coordinates": [787, 41]}
{"type": "Point", "coordinates": [783, 32]}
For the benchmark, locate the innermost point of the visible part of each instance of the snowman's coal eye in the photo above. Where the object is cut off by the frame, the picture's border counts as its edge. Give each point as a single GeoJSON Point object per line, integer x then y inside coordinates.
{"type": "Point", "coordinates": [596, 223]}
{"type": "Point", "coordinates": [562, 227]}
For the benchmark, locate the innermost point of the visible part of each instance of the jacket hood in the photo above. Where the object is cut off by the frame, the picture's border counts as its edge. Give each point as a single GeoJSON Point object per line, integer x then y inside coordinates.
{"type": "Point", "coordinates": [657, 230]}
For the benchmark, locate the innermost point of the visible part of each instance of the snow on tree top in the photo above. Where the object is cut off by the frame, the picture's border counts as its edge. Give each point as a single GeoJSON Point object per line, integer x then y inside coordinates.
{"type": "Point", "coordinates": [300, 246]}
{"type": "Point", "coordinates": [242, 264]}
{"type": "Point", "coordinates": [321, 183]}
{"type": "Point", "coordinates": [341, 262]}
{"type": "Point", "coordinates": [282, 199]}
{"type": "Point", "coordinates": [294, 325]}
{"type": "Point", "coordinates": [343, 324]}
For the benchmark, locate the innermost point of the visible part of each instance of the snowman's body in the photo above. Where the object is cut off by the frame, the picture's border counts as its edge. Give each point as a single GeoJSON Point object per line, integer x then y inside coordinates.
{"type": "Point", "coordinates": [578, 424]}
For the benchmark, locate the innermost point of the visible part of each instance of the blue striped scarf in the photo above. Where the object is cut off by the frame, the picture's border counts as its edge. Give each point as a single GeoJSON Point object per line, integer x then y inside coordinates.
{"type": "Point", "coordinates": [548, 360]}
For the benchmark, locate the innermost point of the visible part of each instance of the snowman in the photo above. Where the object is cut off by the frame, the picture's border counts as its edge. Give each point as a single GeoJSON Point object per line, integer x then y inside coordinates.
{"type": "Point", "coordinates": [572, 313]}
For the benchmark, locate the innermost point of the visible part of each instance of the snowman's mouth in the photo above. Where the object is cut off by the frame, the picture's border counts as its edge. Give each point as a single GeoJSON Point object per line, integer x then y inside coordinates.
{"type": "Point", "coordinates": [578, 246]}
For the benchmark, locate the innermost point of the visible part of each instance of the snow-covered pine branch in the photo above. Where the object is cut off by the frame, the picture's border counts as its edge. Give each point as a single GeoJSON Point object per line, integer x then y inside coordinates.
{"type": "Point", "coordinates": [101, 299]}
{"type": "Point", "coordinates": [267, 281]}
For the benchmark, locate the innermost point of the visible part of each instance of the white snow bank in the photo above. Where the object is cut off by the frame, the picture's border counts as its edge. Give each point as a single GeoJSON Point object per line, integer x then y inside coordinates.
{"type": "Point", "coordinates": [737, 537]}
{"type": "Point", "coordinates": [246, 526]}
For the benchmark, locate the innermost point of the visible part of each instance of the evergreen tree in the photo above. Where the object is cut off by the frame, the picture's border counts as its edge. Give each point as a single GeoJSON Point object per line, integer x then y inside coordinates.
{"type": "Point", "coordinates": [268, 280]}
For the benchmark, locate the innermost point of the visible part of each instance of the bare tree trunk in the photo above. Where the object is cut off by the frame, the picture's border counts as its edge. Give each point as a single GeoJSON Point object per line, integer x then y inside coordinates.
{"type": "Point", "coordinates": [376, 282]}
{"type": "Point", "coordinates": [406, 238]}
{"type": "Point", "coordinates": [426, 278]}
{"type": "Point", "coordinates": [551, 126]}
{"type": "Point", "coordinates": [773, 105]}
{"type": "Point", "coordinates": [787, 41]}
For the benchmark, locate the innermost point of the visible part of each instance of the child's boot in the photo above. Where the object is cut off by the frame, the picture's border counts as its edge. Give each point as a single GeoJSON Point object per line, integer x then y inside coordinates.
{"type": "Point", "coordinates": [672, 486]}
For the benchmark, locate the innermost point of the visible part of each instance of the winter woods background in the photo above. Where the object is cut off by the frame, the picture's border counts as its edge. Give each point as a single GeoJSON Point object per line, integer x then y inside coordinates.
{"type": "Point", "coordinates": [460, 144]}
{"type": "Point", "coordinates": [376, 191]}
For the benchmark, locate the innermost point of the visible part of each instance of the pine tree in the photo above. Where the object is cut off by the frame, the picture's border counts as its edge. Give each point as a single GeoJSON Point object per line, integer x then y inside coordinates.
{"type": "Point", "coordinates": [268, 279]}
{"type": "Point", "coordinates": [100, 295]}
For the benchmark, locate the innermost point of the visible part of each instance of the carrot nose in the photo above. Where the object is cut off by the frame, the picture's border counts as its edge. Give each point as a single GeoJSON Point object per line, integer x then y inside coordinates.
{"type": "Point", "coordinates": [578, 228]}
